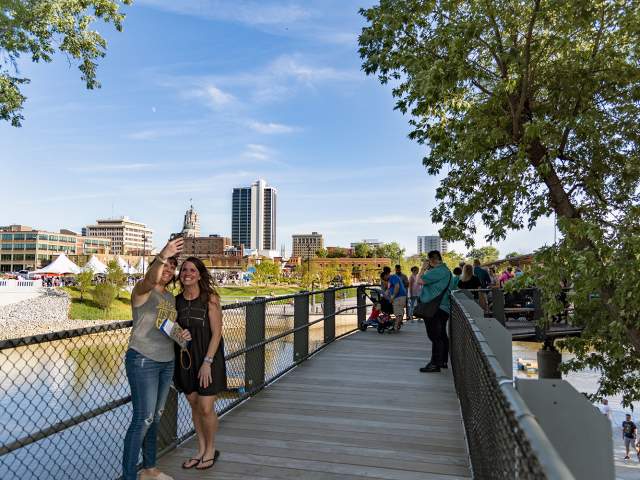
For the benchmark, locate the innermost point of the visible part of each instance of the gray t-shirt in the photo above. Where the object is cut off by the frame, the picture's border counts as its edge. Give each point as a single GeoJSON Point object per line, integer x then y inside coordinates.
{"type": "Point", "coordinates": [145, 336]}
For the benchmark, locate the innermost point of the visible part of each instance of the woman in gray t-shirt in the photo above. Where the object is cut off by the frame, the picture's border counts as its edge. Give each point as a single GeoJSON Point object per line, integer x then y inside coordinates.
{"type": "Point", "coordinates": [149, 362]}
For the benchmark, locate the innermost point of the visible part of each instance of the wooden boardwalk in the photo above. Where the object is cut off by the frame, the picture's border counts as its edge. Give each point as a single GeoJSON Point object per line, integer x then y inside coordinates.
{"type": "Point", "coordinates": [358, 409]}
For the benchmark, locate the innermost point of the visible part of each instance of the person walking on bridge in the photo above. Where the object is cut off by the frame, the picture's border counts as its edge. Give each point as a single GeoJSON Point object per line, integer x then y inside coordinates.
{"type": "Point", "coordinates": [436, 286]}
{"type": "Point", "coordinates": [397, 295]}
{"type": "Point", "coordinates": [149, 362]}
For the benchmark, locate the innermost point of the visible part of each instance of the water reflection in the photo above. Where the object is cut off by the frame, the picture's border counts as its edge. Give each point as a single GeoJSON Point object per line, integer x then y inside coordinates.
{"type": "Point", "coordinates": [52, 382]}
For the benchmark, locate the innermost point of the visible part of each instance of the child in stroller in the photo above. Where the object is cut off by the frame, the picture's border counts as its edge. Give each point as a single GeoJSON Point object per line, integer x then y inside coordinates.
{"type": "Point", "coordinates": [380, 317]}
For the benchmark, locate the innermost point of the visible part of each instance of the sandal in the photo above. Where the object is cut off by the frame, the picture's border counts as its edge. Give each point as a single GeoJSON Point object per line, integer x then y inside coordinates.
{"type": "Point", "coordinates": [187, 467]}
{"type": "Point", "coordinates": [212, 460]}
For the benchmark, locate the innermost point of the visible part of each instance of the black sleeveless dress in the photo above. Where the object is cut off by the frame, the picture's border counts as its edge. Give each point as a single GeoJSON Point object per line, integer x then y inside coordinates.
{"type": "Point", "coordinates": [194, 316]}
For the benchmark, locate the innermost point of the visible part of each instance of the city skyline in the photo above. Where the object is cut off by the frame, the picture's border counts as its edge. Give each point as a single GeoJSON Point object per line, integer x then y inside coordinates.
{"type": "Point", "coordinates": [282, 98]}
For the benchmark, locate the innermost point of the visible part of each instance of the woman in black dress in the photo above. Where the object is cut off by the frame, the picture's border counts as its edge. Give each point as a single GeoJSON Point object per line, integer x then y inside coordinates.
{"type": "Point", "coordinates": [205, 376]}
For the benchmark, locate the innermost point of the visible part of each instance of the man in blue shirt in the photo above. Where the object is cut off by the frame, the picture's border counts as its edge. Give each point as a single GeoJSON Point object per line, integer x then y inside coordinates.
{"type": "Point", "coordinates": [397, 295]}
{"type": "Point", "coordinates": [481, 273]}
{"type": "Point", "coordinates": [437, 281]}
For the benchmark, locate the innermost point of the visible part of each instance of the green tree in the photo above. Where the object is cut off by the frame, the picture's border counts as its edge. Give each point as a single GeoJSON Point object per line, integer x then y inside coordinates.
{"type": "Point", "coordinates": [85, 280]}
{"type": "Point", "coordinates": [452, 259]}
{"type": "Point", "coordinates": [115, 276]}
{"type": "Point", "coordinates": [322, 253]}
{"type": "Point", "coordinates": [104, 294]}
{"type": "Point", "coordinates": [327, 274]}
{"type": "Point", "coordinates": [39, 29]}
{"type": "Point", "coordinates": [532, 109]}
{"type": "Point", "coordinates": [362, 250]}
{"type": "Point", "coordinates": [484, 254]}
{"type": "Point", "coordinates": [266, 271]}
{"type": "Point", "coordinates": [391, 250]}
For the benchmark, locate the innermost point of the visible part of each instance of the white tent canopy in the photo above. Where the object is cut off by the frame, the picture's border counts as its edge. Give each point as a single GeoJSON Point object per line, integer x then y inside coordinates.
{"type": "Point", "coordinates": [126, 268]}
{"type": "Point", "coordinates": [60, 266]}
{"type": "Point", "coordinates": [143, 265]}
{"type": "Point", "coordinates": [95, 265]}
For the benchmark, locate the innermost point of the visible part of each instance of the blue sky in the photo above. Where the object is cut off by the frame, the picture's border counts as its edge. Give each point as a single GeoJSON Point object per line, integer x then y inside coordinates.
{"type": "Point", "coordinates": [200, 96]}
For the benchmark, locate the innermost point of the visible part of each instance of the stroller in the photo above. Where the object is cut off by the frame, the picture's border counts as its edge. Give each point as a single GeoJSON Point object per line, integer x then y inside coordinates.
{"type": "Point", "coordinates": [380, 317]}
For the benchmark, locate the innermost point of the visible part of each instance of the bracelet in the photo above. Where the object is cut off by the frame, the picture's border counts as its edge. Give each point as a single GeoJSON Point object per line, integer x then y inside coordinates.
{"type": "Point", "coordinates": [161, 259]}
{"type": "Point", "coordinates": [208, 360]}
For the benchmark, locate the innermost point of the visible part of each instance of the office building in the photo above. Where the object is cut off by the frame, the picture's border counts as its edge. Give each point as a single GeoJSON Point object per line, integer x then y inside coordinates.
{"type": "Point", "coordinates": [205, 247]}
{"type": "Point", "coordinates": [191, 223]}
{"type": "Point", "coordinates": [253, 216]}
{"type": "Point", "coordinates": [24, 248]}
{"type": "Point", "coordinates": [127, 237]}
{"type": "Point", "coordinates": [306, 245]}
{"type": "Point", "coordinates": [426, 243]}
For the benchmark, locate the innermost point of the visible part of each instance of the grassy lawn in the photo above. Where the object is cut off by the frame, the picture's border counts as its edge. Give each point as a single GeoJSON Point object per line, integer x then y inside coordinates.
{"type": "Point", "coordinates": [121, 308]}
{"type": "Point", "coordinates": [255, 291]}
{"type": "Point", "coordinates": [89, 310]}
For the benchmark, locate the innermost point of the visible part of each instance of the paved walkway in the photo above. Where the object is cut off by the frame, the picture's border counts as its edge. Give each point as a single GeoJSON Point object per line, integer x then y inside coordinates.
{"type": "Point", "coordinates": [9, 295]}
{"type": "Point", "coordinates": [358, 409]}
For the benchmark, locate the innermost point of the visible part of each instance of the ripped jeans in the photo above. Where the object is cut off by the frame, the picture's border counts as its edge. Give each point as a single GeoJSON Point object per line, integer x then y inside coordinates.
{"type": "Point", "coordinates": [149, 381]}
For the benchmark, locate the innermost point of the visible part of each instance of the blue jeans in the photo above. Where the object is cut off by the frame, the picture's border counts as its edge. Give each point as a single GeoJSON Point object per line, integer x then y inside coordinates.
{"type": "Point", "coordinates": [413, 301]}
{"type": "Point", "coordinates": [149, 381]}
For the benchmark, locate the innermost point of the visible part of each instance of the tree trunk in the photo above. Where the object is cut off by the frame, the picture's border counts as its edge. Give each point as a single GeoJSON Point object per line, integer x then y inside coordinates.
{"type": "Point", "coordinates": [562, 206]}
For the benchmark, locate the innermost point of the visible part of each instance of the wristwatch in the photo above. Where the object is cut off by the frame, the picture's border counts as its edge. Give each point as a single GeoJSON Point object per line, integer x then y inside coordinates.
{"type": "Point", "coordinates": [208, 360]}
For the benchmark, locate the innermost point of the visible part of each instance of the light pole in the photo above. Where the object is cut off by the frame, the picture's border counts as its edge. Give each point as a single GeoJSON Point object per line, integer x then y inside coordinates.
{"type": "Point", "coordinates": [144, 251]}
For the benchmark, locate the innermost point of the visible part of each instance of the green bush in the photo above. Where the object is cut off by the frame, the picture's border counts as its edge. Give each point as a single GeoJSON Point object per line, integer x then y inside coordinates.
{"type": "Point", "coordinates": [104, 295]}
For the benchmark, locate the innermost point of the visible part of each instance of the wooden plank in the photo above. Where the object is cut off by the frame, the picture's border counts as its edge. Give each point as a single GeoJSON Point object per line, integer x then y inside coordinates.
{"type": "Point", "coordinates": [358, 409]}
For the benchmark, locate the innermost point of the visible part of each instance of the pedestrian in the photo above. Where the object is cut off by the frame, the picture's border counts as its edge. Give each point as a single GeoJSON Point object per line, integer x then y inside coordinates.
{"type": "Point", "coordinates": [506, 276]}
{"type": "Point", "coordinates": [383, 283]}
{"type": "Point", "coordinates": [605, 409]}
{"type": "Point", "coordinates": [149, 362]}
{"type": "Point", "coordinates": [202, 375]}
{"type": "Point", "coordinates": [405, 282]}
{"type": "Point", "coordinates": [468, 281]}
{"type": "Point", "coordinates": [481, 273]}
{"type": "Point", "coordinates": [628, 434]}
{"type": "Point", "coordinates": [436, 279]}
{"type": "Point", "coordinates": [414, 290]}
{"type": "Point", "coordinates": [397, 295]}
{"type": "Point", "coordinates": [456, 278]}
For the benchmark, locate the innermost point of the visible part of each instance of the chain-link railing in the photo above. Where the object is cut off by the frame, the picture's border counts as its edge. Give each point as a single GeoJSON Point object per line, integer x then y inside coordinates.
{"type": "Point", "coordinates": [504, 439]}
{"type": "Point", "coordinates": [66, 404]}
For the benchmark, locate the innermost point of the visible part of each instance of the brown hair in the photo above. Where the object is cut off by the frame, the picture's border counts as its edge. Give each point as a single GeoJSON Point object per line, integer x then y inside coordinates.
{"type": "Point", "coordinates": [206, 284]}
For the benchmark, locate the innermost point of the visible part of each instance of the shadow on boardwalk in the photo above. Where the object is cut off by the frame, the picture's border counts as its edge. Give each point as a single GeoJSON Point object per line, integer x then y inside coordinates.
{"type": "Point", "coordinates": [358, 409]}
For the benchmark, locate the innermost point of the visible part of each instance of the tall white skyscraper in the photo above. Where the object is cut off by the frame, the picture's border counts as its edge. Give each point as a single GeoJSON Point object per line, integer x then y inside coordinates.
{"type": "Point", "coordinates": [426, 243]}
{"type": "Point", "coordinates": [253, 216]}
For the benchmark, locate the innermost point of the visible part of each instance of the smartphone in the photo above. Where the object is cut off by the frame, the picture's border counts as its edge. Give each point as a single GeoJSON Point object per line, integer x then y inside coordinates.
{"type": "Point", "coordinates": [176, 235]}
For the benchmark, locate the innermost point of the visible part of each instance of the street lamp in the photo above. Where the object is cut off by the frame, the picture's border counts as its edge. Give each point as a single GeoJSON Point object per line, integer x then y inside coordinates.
{"type": "Point", "coordinates": [144, 251]}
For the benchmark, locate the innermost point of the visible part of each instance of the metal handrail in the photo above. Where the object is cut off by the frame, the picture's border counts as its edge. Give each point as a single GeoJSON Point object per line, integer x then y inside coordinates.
{"type": "Point", "coordinates": [114, 326]}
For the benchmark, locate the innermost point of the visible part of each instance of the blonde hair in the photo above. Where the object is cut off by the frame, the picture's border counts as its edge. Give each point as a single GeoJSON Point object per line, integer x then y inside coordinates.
{"type": "Point", "coordinates": [467, 272]}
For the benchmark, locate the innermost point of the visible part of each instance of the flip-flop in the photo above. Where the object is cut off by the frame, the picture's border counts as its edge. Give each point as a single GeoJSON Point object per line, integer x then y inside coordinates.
{"type": "Point", "coordinates": [212, 460]}
{"type": "Point", "coordinates": [197, 460]}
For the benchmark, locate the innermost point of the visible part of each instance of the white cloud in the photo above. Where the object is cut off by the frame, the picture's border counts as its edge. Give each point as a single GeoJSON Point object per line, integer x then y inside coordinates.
{"type": "Point", "coordinates": [258, 152]}
{"type": "Point", "coordinates": [271, 128]}
{"type": "Point", "coordinates": [212, 96]}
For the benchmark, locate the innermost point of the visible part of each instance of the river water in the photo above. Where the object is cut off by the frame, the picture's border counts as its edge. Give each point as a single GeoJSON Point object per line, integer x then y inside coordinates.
{"type": "Point", "coordinates": [51, 382]}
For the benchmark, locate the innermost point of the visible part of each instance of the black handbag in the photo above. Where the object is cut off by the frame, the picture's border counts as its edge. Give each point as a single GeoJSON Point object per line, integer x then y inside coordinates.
{"type": "Point", "coordinates": [429, 309]}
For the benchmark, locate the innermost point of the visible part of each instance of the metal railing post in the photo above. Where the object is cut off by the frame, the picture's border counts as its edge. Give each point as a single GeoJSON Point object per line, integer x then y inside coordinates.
{"type": "Point", "coordinates": [498, 305]}
{"type": "Point", "coordinates": [168, 428]}
{"type": "Point", "coordinates": [254, 359]}
{"type": "Point", "coordinates": [300, 318]}
{"type": "Point", "coordinates": [329, 314]}
{"type": "Point", "coordinates": [361, 300]}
